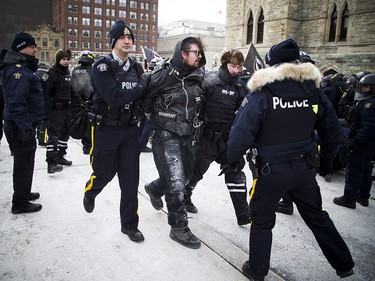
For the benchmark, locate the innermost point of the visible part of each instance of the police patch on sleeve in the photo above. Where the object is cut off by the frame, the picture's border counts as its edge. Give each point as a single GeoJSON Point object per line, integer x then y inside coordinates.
{"type": "Point", "coordinates": [102, 67]}
{"type": "Point", "coordinates": [45, 77]}
{"type": "Point", "coordinates": [368, 105]}
{"type": "Point", "coordinates": [17, 75]}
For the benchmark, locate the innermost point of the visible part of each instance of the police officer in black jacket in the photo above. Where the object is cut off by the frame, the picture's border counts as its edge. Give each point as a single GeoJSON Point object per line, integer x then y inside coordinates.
{"type": "Point", "coordinates": [24, 108]}
{"type": "Point", "coordinates": [277, 121]}
{"type": "Point", "coordinates": [116, 147]}
{"type": "Point", "coordinates": [222, 98]}
{"type": "Point", "coordinates": [63, 98]}
{"type": "Point", "coordinates": [172, 104]}
{"type": "Point", "coordinates": [81, 76]}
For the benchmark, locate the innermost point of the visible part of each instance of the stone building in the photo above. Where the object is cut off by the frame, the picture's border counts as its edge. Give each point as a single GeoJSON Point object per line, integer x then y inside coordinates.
{"type": "Point", "coordinates": [338, 34]}
{"type": "Point", "coordinates": [49, 40]}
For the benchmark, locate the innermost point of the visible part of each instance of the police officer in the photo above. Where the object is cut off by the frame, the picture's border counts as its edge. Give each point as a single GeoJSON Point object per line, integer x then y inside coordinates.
{"type": "Point", "coordinates": [59, 87]}
{"type": "Point", "coordinates": [172, 103]}
{"type": "Point", "coordinates": [358, 178]}
{"type": "Point", "coordinates": [81, 76]}
{"type": "Point", "coordinates": [277, 122]}
{"type": "Point", "coordinates": [24, 108]}
{"type": "Point", "coordinates": [116, 146]}
{"type": "Point", "coordinates": [42, 72]}
{"type": "Point", "coordinates": [222, 98]}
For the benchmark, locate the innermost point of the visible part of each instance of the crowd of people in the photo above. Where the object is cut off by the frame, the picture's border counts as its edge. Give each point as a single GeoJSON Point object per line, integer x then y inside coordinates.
{"type": "Point", "coordinates": [287, 120]}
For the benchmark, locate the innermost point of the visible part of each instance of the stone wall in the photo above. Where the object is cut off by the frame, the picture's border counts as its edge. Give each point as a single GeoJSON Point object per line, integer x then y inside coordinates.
{"type": "Point", "coordinates": [307, 21]}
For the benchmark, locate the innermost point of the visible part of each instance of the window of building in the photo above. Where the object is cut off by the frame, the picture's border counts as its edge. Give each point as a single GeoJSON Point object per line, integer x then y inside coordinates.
{"type": "Point", "coordinates": [57, 43]}
{"type": "Point", "coordinates": [260, 31]}
{"type": "Point", "coordinates": [111, 2]}
{"type": "Point", "coordinates": [250, 27]}
{"type": "Point", "coordinates": [141, 37]}
{"type": "Point", "coordinates": [344, 23]}
{"type": "Point", "coordinates": [44, 42]}
{"type": "Point", "coordinates": [146, 37]}
{"type": "Point", "coordinates": [75, 32]}
{"type": "Point", "coordinates": [142, 5]}
{"type": "Point", "coordinates": [153, 17]}
{"type": "Point", "coordinates": [75, 20]}
{"type": "Point", "coordinates": [88, 1]}
{"type": "Point", "coordinates": [107, 34]}
{"type": "Point", "coordinates": [153, 27]}
{"type": "Point", "coordinates": [70, 31]}
{"type": "Point", "coordinates": [86, 45]}
{"type": "Point", "coordinates": [122, 3]}
{"type": "Point", "coordinates": [153, 38]}
{"type": "Point", "coordinates": [134, 48]}
{"type": "Point", "coordinates": [98, 11]}
{"type": "Point", "coordinates": [85, 33]}
{"type": "Point", "coordinates": [42, 56]}
{"type": "Point", "coordinates": [75, 8]}
{"type": "Point", "coordinates": [154, 7]}
{"type": "Point", "coordinates": [147, 6]}
{"type": "Point", "coordinates": [70, 20]}
{"type": "Point", "coordinates": [98, 22]}
{"type": "Point", "coordinates": [133, 4]}
{"type": "Point", "coordinates": [107, 46]}
{"type": "Point", "coordinates": [97, 45]}
{"type": "Point", "coordinates": [107, 23]}
{"type": "Point", "coordinates": [85, 21]}
{"type": "Point", "coordinates": [333, 25]}
{"type": "Point", "coordinates": [133, 15]}
{"type": "Point", "coordinates": [70, 8]}
{"type": "Point", "coordinates": [98, 34]}
{"type": "Point", "coordinates": [122, 14]}
{"type": "Point", "coordinates": [144, 16]}
{"type": "Point", "coordinates": [98, 1]}
{"type": "Point", "coordinates": [133, 26]}
{"type": "Point", "coordinates": [85, 10]}
{"type": "Point", "coordinates": [70, 44]}
{"type": "Point", "coordinates": [113, 12]}
{"type": "Point", "coordinates": [107, 12]}
{"type": "Point", "coordinates": [47, 56]}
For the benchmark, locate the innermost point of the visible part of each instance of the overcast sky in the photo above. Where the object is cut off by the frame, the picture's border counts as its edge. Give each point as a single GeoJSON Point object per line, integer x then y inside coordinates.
{"type": "Point", "coordinates": [204, 10]}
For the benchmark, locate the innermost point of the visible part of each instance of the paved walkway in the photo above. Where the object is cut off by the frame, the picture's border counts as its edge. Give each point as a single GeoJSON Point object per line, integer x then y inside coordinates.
{"type": "Point", "coordinates": [63, 242]}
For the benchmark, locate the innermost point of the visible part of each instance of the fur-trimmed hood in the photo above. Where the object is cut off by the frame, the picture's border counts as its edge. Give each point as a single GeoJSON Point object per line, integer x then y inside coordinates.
{"type": "Point", "coordinates": [298, 72]}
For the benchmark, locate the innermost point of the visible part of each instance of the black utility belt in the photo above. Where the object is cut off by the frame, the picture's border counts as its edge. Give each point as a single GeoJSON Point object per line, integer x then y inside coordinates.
{"type": "Point", "coordinates": [62, 104]}
{"type": "Point", "coordinates": [115, 123]}
{"type": "Point", "coordinates": [98, 121]}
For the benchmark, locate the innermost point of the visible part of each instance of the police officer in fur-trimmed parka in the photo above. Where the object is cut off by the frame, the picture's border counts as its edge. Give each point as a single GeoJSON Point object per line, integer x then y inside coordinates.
{"type": "Point", "coordinates": [24, 109]}
{"type": "Point", "coordinates": [222, 98]}
{"type": "Point", "coordinates": [115, 143]}
{"type": "Point", "coordinates": [277, 121]}
{"type": "Point", "coordinates": [172, 103]}
{"type": "Point", "coordinates": [63, 99]}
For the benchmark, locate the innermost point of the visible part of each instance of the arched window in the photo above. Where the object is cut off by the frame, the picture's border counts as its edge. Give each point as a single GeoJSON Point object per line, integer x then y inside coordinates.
{"type": "Point", "coordinates": [260, 32]}
{"type": "Point", "coordinates": [250, 26]}
{"type": "Point", "coordinates": [344, 23]}
{"type": "Point", "coordinates": [332, 29]}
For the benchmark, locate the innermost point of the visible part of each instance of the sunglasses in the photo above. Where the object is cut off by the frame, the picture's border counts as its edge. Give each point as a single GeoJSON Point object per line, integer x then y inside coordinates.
{"type": "Point", "coordinates": [197, 52]}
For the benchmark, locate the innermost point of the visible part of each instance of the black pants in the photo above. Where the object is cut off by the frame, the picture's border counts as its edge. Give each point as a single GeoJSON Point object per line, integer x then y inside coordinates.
{"type": "Point", "coordinates": [207, 151]}
{"type": "Point", "coordinates": [174, 158]}
{"type": "Point", "coordinates": [58, 133]}
{"type": "Point", "coordinates": [23, 165]}
{"type": "Point", "coordinates": [299, 181]}
{"type": "Point", "coordinates": [117, 150]}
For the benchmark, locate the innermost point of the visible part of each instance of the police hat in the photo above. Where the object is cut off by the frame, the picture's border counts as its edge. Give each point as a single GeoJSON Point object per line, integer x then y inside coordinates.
{"type": "Point", "coordinates": [22, 40]}
{"type": "Point", "coordinates": [284, 51]}
{"type": "Point", "coordinates": [119, 29]}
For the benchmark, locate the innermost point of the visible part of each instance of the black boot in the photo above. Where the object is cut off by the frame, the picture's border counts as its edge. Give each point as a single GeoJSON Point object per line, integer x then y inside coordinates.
{"type": "Point", "coordinates": [62, 161]}
{"type": "Point", "coordinates": [185, 237]}
{"type": "Point", "coordinates": [342, 202]}
{"type": "Point", "coordinates": [285, 208]}
{"type": "Point", "coordinates": [190, 207]}
{"type": "Point", "coordinates": [156, 202]}
{"type": "Point", "coordinates": [53, 168]}
{"type": "Point", "coordinates": [29, 208]}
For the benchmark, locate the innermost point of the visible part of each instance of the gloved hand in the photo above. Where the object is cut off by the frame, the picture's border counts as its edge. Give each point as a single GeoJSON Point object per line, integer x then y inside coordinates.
{"type": "Point", "coordinates": [232, 167]}
{"type": "Point", "coordinates": [143, 82]}
{"type": "Point", "coordinates": [325, 168]}
{"type": "Point", "coordinates": [27, 137]}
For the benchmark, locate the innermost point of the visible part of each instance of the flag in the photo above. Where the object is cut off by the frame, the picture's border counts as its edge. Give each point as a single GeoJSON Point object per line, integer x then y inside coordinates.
{"type": "Point", "coordinates": [253, 61]}
{"type": "Point", "coordinates": [149, 54]}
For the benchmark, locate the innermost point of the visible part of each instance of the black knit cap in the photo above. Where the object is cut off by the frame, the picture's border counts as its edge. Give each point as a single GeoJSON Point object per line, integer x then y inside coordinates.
{"type": "Point", "coordinates": [22, 40]}
{"type": "Point", "coordinates": [284, 51]}
{"type": "Point", "coordinates": [119, 29]}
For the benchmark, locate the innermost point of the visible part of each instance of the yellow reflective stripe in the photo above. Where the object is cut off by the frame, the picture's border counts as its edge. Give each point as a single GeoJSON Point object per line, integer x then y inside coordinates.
{"type": "Point", "coordinates": [88, 187]}
{"type": "Point", "coordinates": [45, 135]}
{"type": "Point", "coordinates": [253, 188]}
{"type": "Point", "coordinates": [92, 138]}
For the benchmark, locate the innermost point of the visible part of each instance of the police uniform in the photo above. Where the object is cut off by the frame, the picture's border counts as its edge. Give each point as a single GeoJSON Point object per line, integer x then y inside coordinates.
{"type": "Point", "coordinates": [114, 131]}
{"type": "Point", "coordinates": [222, 98]}
{"type": "Point", "coordinates": [59, 87]}
{"type": "Point", "coordinates": [81, 76]}
{"type": "Point", "coordinates": [24, 109]}
{"type": "Point", "coordinates": [279, 119]}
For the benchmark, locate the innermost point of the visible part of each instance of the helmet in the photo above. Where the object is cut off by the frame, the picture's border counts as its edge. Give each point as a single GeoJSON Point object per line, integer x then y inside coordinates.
{"type": "Point", "coordinates": [305, 57]}
{"type": "Point", "coordinates": [86, 58]}
{"type": "Point", "coordinates": [359, 75]}
{"type": "Point", "coordinates": [367, 80]}
{"type": "Point", "coordinates": [351, 81]}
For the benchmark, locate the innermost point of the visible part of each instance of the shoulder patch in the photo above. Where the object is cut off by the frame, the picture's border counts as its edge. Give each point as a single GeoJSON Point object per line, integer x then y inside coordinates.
{"type": "Point", "coordinates": [45, 77]}
{"type": "Point", "coordinates": [18, 65]}
{"type": "Point", "coordinates": [368, 105]}
{"type": "Point", "coordinates": [102, 67]}
{"type": "Point", "coordinates": [17, 75]}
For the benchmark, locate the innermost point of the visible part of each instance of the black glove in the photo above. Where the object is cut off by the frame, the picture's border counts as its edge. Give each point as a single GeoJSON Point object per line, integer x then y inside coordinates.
{"type": "Point", "coordinates": [232, 167]}
{"type": "Point", "coordinates": [27, 137]}
{"type": "Point", "coordinates": [325, 168]}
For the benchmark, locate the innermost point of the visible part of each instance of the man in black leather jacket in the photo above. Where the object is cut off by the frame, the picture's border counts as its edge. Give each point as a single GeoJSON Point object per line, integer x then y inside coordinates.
{"type": "Point", "coordinates": [172, 104]}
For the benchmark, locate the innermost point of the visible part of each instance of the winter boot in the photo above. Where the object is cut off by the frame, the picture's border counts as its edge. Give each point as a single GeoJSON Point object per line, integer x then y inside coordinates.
{"type": "Point", "coordinates": [285, 208]}
{"type": "Point", "coordinates": [62, 161]}
{"type": "Point", "coordinates": [185, 237]}
{"type": "Point", "coordinates": [156, 202]}
{"type": "Point", "coordinates": [190, 207]}
{"type": "Point", "coordinates": [53, 168]}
